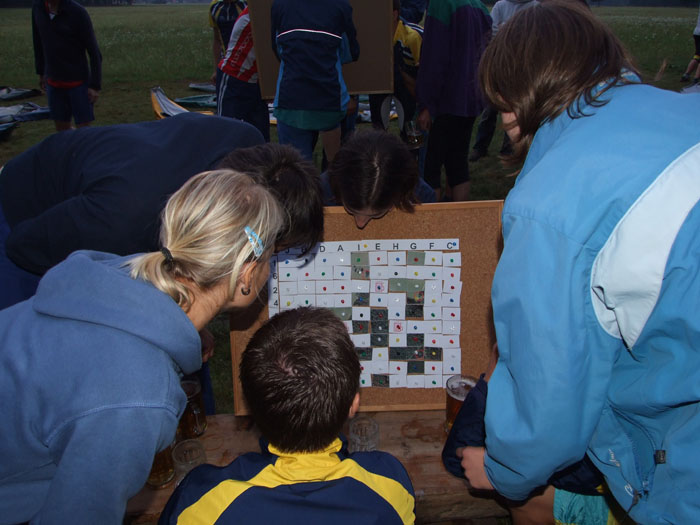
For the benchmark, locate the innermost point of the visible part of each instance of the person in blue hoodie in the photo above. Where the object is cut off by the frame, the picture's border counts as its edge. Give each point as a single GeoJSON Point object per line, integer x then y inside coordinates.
{"type": "Point", "coordinates": [596, 293]}
{"type": "Point", "coordinates": [90, 366]}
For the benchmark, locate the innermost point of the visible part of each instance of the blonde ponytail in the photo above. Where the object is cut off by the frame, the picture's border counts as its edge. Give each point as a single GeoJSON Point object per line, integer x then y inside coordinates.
{"type": "Point", "coordinates": [204, 238]}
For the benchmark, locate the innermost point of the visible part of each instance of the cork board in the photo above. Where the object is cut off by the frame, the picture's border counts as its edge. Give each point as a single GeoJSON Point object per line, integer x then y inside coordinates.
{"type": "Point", "coordinates": [372, 73]}
{"type": "Point", "coordinates": [477, 225]}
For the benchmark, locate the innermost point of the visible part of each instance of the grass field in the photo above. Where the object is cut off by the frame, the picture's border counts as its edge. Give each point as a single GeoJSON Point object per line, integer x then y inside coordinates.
{"type": "Point", "coordinates": [169, 46]}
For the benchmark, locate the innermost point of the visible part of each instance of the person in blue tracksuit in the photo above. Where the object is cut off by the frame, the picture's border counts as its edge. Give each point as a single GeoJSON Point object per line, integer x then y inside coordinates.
{"type": "Point", "coordinates": [596, 294]}
{"type": "Point", "coordinates": [300, 376]}
{"type": "Point", "coordinates": [90, 366]}
{"type": "Point", "coordinates": [312, 39]}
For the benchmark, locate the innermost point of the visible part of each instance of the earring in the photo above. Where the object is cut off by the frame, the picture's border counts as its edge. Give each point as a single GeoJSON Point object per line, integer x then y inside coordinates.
{"type": "Point", "coordinates": [245, 291]}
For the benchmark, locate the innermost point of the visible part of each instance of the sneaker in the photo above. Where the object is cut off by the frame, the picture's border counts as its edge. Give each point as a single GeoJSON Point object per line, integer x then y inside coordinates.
{"type": "Point", "coordinates": [476, 155]}
{"type": "Point", "coordinates": [685, 77]}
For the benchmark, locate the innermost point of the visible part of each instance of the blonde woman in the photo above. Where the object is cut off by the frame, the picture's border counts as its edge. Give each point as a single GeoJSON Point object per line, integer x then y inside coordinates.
{"type": "Point", "coordinates": [90, 366]}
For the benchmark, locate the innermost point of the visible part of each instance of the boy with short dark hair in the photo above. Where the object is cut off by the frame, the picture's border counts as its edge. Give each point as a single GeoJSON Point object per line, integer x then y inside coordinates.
{"type": "Point", "coordinates": [300, 375]}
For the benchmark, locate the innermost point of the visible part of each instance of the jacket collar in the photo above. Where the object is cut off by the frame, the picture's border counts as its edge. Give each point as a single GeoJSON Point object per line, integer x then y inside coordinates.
{"type": "Point", "coordinates": [308, 466]}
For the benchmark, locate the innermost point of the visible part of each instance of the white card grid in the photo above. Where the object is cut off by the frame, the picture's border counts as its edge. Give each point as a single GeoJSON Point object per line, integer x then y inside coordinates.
{"type": "Point", "coordinates": [325, 278]}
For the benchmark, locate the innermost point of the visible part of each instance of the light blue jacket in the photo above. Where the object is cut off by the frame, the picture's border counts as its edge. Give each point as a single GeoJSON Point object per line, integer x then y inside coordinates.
{"type": "Point", "coordinates": [596, 302]}
{"type": "Point", "coordinates": [89, 390]}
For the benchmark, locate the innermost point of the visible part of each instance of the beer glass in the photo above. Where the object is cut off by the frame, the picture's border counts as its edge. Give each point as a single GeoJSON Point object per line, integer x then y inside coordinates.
{"type": "Point", "coordinates": [163, 469]}
{"type": "Point", "coordinates": [457, 388]}
{"type": "Point", "coordinates": [193, 422]}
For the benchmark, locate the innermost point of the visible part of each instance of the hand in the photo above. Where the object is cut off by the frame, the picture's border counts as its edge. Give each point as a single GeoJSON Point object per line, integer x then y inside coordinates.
{"type": "Point", "coordinates": [473, 465]}
{"type": "Point", "coordinates": [424, 119]}
{"type": "Point", "coordinates": [207, 344]}
{"type": "Point", "coordinates": [212, 80]}
{"type": "Point", "coordinates": [92, 95]}
{"type": "Point", "coordinates": [42, 82]}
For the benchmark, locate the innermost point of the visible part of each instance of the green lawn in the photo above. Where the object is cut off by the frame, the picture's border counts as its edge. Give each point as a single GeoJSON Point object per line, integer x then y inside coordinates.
{"type": "Point", "coordinates": [169, 46]}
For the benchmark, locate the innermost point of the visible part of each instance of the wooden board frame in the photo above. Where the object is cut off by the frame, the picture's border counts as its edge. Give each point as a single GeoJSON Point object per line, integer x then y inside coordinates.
{"type": "Point", "coordinates": [372, 73]}
{"type": "Point", "coordinates": [477, 225]}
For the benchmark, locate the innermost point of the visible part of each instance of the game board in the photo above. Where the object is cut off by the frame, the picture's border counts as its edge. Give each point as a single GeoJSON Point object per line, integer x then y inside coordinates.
{"type": "Point", "coordinates": [476, 228]}
{"type": "Point", "coordinates": [399, 299]}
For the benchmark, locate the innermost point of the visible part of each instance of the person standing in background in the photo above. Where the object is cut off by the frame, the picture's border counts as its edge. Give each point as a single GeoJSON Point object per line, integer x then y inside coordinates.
{"type": "Point", "coordinates": [448, 94]}
{"type": "Point", "coordinates": [693, 69]}
{"type": "Point", "coordinates": [237, 88]}
{"type": "Point", "coordinates": [407, 41]}
{"type": "Point", "coordinates": [500, 13]}
{"type": "Point", "coordinates": [62, 34]}
{"type": "Point", "coordinates": [312, 39]}
{"type": "Point", "coordinates": [222, 16]}
{"type": "Point", "coordinates": [412, 11]}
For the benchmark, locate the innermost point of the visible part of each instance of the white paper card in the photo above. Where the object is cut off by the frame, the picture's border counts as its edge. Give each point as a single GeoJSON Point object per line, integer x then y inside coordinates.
{"type": "Point", "coordinates": [415, 381]}
{"type": "Point", "coordinates": [365, 380]}
{"type": "Point", "coordinates": [360, 340]}
{"type": "Point", "coordinates": [378, 299]}
{"type": "Point", "coordinates": [397, 327]}
{"type": "Point", "coordinates": [452, 259]}
{"type": "Point", "coordinates": [433, 381]}
{"type": "Point", "coordinates": [397, 381]}
{"type": "Point", "coordinates": [360, 313]}
{"type": "Point", "coordinates": [433, 367]}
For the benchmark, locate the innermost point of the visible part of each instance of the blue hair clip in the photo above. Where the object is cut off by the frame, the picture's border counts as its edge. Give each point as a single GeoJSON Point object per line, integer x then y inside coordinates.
{"type": "Point", "coordinates": [258, 247]}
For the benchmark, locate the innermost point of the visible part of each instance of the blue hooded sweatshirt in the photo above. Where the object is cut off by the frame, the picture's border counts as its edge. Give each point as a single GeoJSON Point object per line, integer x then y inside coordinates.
{"type": "Point", "coordinates": [90, 389]}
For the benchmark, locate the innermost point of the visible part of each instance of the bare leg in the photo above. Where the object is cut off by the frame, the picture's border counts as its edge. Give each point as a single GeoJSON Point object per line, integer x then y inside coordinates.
{"type": "Point", "coordinates": [692, 66]}
{"type": "Point", "coordinates": [331, 142]}
{"type": "Point", "coordinates": [83, 125]}
{"type": "Point", "coordinates": [62, 125]}
{"type": "Point", "coordinates": [461, 192]}
{"type": "Point", "coordinates": [690, 70]}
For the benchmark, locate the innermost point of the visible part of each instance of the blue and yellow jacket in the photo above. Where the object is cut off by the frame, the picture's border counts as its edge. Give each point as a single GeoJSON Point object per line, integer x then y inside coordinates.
{"type": "Point", "coordinates": [275, 487]}
{"type": "Point", "coordinates": [307, 36]}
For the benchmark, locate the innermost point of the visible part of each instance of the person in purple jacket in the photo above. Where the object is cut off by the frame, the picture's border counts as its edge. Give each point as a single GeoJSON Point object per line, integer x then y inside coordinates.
{"type": "Point", "coordinates": [447, 91]}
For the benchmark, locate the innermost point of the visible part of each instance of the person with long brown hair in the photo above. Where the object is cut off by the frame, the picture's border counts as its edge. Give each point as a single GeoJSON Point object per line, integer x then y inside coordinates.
{"type": "Point", "coordinates": [595, 297]}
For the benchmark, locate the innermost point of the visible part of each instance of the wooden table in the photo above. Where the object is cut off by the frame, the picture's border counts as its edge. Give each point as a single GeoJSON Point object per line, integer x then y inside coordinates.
{"type": "Point", "coordinates": [415, 438]}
